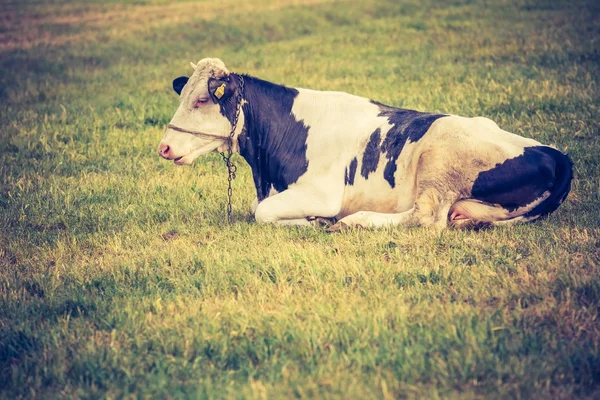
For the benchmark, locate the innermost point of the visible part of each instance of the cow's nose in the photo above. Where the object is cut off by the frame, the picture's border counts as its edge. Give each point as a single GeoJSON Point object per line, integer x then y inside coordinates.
{"type": "Point", "coordinates": [164, 150]}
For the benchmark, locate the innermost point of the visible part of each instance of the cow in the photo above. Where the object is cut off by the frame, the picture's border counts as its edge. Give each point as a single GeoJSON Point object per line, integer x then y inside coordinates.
{"type": "Point", "coordinates": [332, 156]}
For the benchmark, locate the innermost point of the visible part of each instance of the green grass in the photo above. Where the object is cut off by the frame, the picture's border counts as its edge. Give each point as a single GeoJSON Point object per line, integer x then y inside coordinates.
{"type": "Point", "coordinates": [120, 278]}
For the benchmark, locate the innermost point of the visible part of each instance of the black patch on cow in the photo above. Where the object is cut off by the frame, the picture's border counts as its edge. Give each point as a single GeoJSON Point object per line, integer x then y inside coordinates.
{"type": "Point", "coordinates": [521, 180]}
{"type": "Point", "coordinates": [561, 185]}
{"type": "Point", "coordinates": [228, 103]}
{"type": "Point", "coordinates": [350, 172]}
{"type": "Point", "coordinates": [273, 141]}
{"type": "Point", "coordinates": [179, 83]}
{"type": "Point", "coordinates": [371, 155]}
{"type": "Point", "coordinates": [406, 124]}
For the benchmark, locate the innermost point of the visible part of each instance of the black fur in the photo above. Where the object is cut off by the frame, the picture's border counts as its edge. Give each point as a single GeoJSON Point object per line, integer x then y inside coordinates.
{"type": "Point", "coordinates": [562, 183]}
{"type": "Point", "coordinates": [350, 172]}
{"type": "Point", "coordinates": [229, 88]}
{"type": "Point", "coordinates": [227, 103]}
{"type": "Point", "coordinates": [179, 83]}
{"type": "Point", "coordinates": [521, 180]}
{"type": "Point", "coordinates": [273, 142]}
{"type": "Point", "coordinates": [406, 124]}
{"type": "Point", "coordinates": [371, 155]}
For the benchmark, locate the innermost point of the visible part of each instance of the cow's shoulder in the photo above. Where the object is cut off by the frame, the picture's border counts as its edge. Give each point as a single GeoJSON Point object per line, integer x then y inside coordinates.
{"type": "Point", "coordinates": [274, 140]}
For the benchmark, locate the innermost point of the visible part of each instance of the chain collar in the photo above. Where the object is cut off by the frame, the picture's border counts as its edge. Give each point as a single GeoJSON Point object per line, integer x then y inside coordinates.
{"type": "Point", "coordinates": [231, 167]}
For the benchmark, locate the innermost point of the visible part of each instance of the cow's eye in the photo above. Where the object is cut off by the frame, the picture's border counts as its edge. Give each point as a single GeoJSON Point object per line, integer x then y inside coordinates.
{"type": "Point", "coordinates": [200, 102]}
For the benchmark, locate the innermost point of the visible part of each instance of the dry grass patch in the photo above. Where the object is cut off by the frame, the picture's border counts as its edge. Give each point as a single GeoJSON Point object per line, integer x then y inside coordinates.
{"type": "Point", "coordinates": [24, 27]}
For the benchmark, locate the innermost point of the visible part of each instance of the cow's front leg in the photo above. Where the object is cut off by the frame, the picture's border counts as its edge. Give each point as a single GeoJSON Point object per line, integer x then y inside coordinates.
{"type": "Point", "coordinates": [294, 205]}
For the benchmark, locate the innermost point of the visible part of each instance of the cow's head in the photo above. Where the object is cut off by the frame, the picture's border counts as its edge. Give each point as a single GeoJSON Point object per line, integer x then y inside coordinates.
{"type": "Point", "coordinates": [204, 96]}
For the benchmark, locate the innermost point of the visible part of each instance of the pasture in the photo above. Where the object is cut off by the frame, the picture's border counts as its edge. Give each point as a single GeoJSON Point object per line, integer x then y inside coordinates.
{"type": "Point", "coordinates": [119, 276]}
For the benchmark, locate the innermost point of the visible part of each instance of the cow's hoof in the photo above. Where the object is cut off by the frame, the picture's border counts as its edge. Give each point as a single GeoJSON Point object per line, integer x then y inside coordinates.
{"type": "Point", "coordinates": [323, 222]}
{"type": "Point", "coordinates": [339, 226]}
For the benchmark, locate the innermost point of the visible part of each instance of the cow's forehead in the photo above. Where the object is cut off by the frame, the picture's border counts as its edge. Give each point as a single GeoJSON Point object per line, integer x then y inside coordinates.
{"type": "Point", "coordinates": [208, 68]}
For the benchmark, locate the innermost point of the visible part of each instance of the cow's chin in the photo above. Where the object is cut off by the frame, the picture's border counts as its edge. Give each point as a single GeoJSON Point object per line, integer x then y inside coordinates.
{"type": "Point", "coordinates": [184, 160]}
{"type": "Point", "coordinates": [192, 155]}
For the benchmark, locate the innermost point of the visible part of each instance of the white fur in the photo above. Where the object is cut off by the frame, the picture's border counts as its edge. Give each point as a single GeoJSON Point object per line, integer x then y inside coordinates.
{"type": "Point", "coordinates": [206, 118]}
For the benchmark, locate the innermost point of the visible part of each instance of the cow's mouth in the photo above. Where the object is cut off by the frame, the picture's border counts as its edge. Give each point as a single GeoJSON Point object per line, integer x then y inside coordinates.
{"type": "Point", "coordinates": [185, 159]}
{"type": "Point", "coordinates": [188, 158]}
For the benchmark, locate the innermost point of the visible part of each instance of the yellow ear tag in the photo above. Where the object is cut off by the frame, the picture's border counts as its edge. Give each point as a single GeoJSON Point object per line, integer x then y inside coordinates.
{"type": "Point", "coordinates": [220, 91]}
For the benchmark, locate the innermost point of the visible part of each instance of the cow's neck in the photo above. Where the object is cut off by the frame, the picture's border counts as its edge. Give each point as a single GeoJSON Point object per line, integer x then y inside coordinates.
{"type": "Point", "coordinates": [273, 141]}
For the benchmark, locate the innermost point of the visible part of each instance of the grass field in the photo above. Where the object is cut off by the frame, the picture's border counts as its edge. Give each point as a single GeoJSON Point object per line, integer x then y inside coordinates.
{"type": "Point", "coordinates": [120, 278]}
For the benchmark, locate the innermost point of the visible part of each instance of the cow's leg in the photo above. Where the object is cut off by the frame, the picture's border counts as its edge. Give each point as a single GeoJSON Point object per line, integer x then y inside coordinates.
{"type": "Point", "coordinates": [297, 221]}
{"type": "Point", "coordinates": [431, 210]}
{"type": "Point", "coordinates": [255, 203]}
{"type": "Point", "coordinates": [308, 221]}
{"type": "Point", "coordinates": [370, 219]}
{"type": "Point", "coordinates": [294, 205]}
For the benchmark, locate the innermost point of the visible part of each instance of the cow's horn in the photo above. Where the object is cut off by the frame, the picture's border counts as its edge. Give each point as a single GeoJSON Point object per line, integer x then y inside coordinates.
{"type": "Point", "coordinates": [193, 65]}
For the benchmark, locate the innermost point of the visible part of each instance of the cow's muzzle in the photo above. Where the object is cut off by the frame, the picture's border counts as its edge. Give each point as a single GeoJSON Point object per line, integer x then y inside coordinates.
{"type": "Point", "coordinates": [164, 150]}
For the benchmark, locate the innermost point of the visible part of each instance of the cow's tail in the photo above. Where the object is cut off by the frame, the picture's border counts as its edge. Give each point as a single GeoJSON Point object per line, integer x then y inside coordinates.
{"type": "Point", "coordinates": [472, 212]}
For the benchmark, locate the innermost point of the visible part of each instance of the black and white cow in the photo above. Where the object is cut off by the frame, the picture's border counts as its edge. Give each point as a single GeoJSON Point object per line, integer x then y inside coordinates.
{"type": "Point", "coordinates": [338, 156]}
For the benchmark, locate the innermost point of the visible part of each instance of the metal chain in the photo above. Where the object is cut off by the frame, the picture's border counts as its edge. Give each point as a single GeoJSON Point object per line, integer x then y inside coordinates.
{"type": "Point", "coordinates": [231, 167]}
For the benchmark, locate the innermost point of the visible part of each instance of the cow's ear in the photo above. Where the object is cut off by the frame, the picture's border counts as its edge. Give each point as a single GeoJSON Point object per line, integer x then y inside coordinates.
{"type": "Point", "coordinates": [220, 89]}
{"type": "Point", "coordinates": [179, 83]}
